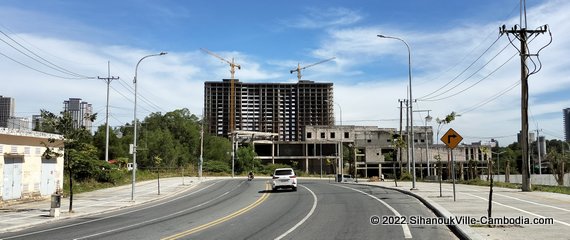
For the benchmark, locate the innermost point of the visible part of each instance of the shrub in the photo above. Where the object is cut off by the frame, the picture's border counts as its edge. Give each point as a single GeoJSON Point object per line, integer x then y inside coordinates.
{"type": "Point", "coordinates": [216, 166]}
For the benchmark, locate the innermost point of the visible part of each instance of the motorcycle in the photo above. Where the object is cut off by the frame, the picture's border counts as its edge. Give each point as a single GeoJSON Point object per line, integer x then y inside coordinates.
{"type": "Point", "coordinates": [250, 177]}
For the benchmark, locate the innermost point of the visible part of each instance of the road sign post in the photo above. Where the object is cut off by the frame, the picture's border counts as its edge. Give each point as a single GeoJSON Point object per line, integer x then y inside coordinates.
{"type": "Point", "coordinates": [451, 138]}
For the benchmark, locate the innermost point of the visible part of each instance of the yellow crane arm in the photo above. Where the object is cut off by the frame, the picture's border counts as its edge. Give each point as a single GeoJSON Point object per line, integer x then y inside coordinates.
{"type": "Point", "coordinates": [299, 68]}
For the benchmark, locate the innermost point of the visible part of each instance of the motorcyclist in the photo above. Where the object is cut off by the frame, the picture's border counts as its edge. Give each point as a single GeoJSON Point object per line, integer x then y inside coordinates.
{"type": "Point", "coordinates": [250, 176]}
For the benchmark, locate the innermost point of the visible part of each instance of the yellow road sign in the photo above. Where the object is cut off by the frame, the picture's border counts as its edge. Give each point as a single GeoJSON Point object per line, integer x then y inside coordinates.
{"type": "Point", "coordinates": [451, 138]}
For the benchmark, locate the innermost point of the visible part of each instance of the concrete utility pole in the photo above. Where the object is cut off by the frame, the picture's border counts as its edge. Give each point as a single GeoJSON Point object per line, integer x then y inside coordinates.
{"type": "Point", "coordinates": [108, 80]}
{"type": "Point", "coordinates": [400, 134]}
{"type": "Point", "coordinates": [522, 34]}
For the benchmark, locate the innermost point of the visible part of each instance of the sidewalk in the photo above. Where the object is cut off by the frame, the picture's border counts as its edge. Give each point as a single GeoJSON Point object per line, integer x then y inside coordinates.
{"type": "Point", "coordinates": [513, 204]}
{"type": "Point", "coordinates": [27, 214]}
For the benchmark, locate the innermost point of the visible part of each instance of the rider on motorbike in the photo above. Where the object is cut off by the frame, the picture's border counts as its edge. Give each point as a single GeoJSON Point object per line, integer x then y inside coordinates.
{"type": "Point", "coordinates": [250, 176]}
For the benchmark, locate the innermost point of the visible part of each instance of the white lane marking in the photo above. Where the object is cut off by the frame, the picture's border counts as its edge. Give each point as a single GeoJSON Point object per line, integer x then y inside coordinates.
{"type": "Point", "coordinates": [522, 200]}
{"type": "Point", "coordinates": [405, 227]}
{"type": "Point", "coordinates": [305, 218]}
{"type": "Point", "coordinates": [99, 219]}
{"type": "Point", "coordinates": [535, 203]}
{"type": "Point", "coordinates": [160, 218]}
{"type": "Point", "coordinates": [518, 209]}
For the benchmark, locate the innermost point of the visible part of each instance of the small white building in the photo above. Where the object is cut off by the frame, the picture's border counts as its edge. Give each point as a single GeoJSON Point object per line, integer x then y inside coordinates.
{"type": "Point", "coordinates": [25, 173]}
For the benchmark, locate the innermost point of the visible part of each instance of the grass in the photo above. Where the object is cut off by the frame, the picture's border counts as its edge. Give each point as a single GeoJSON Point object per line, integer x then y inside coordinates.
{"type": "Point", "coordinates": [142, 175]}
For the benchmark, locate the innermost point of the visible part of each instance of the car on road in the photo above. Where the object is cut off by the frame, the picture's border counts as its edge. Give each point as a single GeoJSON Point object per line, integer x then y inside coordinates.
{"type": "Point", "coordinates": [284, 178]}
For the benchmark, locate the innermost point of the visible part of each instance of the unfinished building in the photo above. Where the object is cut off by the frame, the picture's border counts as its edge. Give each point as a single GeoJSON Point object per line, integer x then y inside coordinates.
{"type": "Point", "coordinates": [282, 108]}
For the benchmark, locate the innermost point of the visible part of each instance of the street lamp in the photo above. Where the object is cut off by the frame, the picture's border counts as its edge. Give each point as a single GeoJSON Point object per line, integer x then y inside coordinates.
{"type": "Point", "coordinates": [428, 119]}
{"type": "Point", "coordinates": [411, 132]}
{"type": "Point", "coordinates": [133, 180]}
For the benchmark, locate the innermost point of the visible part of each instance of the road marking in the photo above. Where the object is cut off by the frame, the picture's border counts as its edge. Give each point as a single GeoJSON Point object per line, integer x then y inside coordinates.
{"type": "Point", "coordinates": [522, 200]}
{"type": "Point", "coordinates": [223, 219]}
{"type": "Point", "coordinates": [535, 203]}
{"type": "Point", "coordinates": [518, 209]}
{"type": "Point", "coordinates": [304, 219]}
{"type": "Point", "coordinates": [405, 227]}
{"type": "Point", "coordinates": [111, 216]}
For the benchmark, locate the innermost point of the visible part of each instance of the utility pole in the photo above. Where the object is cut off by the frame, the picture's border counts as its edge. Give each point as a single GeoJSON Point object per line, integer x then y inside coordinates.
{"type": "Point", "coordinates": [538, 150]}
{"type": "Point", "coordinates": [108, 80]}
{"type": "Point", "coordinates": [522, 34]}
{"type": "Point", "coordinates": [399, 148]}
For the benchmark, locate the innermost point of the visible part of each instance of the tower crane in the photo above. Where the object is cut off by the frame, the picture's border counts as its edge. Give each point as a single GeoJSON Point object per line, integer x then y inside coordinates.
{"type": "Point", "coordinates": [299, 68]}
{"type": "Point", "coordinates": [233, 65]}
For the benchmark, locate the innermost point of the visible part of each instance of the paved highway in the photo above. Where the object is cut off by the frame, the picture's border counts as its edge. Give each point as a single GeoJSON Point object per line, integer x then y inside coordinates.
{"type": "Point", "coordinates": [240, 209]}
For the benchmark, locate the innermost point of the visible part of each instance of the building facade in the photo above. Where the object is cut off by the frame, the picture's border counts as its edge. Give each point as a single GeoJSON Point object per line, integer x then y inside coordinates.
{"type": "Point", "coordinates": [282, 108]}
{"type": "Point", "coordinates": [24, 170]}
{"type": "Point", "coordinates": [7, 106]}
{"type": "Point", "coordinates": [19, 123]}
{"type": "Point", "coordinates": [566, 113]}
{"type": "Point", "coordinates": [79, 111]}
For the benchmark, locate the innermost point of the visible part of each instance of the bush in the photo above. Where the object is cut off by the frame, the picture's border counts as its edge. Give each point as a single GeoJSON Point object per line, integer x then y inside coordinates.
{"type": "Point", "coordinates": [270, 168]}
{"type": "Point", "coordinates": [216, 166]}
{"type": "Point", "coordinates": [406, 176]}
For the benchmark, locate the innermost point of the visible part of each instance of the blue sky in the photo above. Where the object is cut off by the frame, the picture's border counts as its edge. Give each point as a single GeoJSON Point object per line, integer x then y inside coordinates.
{"type": "Point", "coordinates": [268, 38]}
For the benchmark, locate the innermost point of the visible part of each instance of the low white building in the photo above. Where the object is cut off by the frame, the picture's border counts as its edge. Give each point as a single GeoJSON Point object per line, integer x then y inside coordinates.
{"type": "Point", "coordinates": [25, 173]}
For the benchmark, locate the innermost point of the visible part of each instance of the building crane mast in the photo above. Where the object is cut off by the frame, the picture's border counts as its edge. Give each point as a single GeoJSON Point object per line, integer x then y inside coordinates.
{"type": "Point", "coordinates": [299, 68]}
{"type": "Point", "coordinates": [233, 65]}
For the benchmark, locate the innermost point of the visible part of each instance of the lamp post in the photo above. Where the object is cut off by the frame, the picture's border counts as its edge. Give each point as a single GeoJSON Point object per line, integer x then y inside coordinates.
{"type": "Point", "coordinates": [428, 119]}
{"type": "Point", "coordinates": [411, 132]}
{"type": "Point", "coordinates": [133, 180]}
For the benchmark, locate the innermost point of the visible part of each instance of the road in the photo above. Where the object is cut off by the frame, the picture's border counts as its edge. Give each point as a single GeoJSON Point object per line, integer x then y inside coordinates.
{"type": "Point", "coordinates": [240, 209]}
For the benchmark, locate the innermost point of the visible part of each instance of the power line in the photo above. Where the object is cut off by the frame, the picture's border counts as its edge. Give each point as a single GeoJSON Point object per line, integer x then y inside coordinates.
{"type": "Point", "coordinates": [461, 73]}
{"type": "Point", "coordinates": [433, 98]}
{"type": "Point", "coordinates": [44, 61]}
{"type": "Point", "coordinates": [40, 71]}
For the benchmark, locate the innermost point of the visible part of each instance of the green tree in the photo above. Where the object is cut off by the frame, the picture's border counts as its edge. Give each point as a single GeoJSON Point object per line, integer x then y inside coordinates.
{"type": "Point", "coordinates": [76, 142]}
{"type": "Point", "coordinates": [246, 160]}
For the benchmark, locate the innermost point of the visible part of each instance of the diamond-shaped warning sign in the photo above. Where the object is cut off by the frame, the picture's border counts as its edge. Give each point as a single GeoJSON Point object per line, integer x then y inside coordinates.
{"type": "Point", "coordinates": [451, 138]}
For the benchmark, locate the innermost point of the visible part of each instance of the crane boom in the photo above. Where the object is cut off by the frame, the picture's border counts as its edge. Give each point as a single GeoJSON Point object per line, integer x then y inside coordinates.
{"type": "Point", "coordinates": [299, 68]}
{"type": "Point", "coordinates": [232, 99]}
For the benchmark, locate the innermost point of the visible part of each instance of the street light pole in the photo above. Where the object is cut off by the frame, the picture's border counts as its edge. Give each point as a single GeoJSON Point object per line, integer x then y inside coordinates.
{"type": "Point", "coordinates": [411, 132]}
{"type": "Point", "coordinates": [133, 180]}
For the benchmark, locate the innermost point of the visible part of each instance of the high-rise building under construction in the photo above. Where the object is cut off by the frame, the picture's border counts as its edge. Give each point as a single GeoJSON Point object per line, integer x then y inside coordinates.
{"type": "Point", "coordinates": [282, 108]}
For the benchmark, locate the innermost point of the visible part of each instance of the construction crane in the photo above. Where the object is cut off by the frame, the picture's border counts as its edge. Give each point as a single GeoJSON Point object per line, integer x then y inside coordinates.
{"type": "Point", "coordinates": [233, 65]}
{"type": "Point", "coordinates": [299, 68]}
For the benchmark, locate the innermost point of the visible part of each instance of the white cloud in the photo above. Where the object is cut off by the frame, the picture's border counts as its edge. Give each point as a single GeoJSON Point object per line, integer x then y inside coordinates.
{"type": "Point", "coordinates": [323, 18]}
{"type": "Point", "coordinates": [434, 53]}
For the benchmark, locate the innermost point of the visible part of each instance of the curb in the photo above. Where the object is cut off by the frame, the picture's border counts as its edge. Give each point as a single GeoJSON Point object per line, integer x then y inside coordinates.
{"type": "Point", "coordinates": [461, 231]}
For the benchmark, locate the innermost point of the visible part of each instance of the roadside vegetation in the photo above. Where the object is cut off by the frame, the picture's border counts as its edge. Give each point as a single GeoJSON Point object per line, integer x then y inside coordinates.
{"type": "Point", "coordinates": [169, 143]}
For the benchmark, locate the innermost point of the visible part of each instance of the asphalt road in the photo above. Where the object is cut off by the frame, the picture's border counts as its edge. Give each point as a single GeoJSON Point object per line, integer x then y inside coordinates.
{"type": "Point", "coordinates": [240, 209]}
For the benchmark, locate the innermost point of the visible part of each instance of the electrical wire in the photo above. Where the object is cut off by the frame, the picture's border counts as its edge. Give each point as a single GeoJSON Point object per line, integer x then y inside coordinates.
{"type": "Point", "coordinates": [461, 73]}
{"type": "Point", "coordinates": [472, 85]}
{"type": "Point", "coordinates": [44, 61]}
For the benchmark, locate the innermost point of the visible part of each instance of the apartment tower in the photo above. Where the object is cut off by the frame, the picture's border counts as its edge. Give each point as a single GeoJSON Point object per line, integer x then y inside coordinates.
{"type": "Point", "coordinates": [282, 108]}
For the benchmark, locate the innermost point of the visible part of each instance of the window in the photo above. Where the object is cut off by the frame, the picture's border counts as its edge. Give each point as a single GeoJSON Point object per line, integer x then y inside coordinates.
{"type": "Point", "coordinates": [309, 135]}
{"type": "Point", "coordinates": [368, 140]}
{"type": "Point", "coordinates": [333, 135]}
{"type": "Point", "coordinates": [322, 135]}
{"type": "Point", "coordinates": [346, 135]}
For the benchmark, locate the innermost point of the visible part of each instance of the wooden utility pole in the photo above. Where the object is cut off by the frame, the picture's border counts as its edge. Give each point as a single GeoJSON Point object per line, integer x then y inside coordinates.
{"type": "Point", "coordinates": [522, 34]}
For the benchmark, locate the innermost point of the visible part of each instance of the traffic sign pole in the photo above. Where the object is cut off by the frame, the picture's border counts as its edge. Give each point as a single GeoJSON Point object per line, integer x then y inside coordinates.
{"type": "Point", "coordinates": [451, 138]}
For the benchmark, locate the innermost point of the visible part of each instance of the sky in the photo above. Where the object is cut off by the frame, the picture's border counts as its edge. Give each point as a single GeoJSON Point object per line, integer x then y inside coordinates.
{"type": "Point", "coordinates": [54, 50]}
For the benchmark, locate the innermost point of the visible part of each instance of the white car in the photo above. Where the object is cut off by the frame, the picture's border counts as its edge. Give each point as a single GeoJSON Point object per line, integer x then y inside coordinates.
{"type": "Point", "coordinates": [284, 178]}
